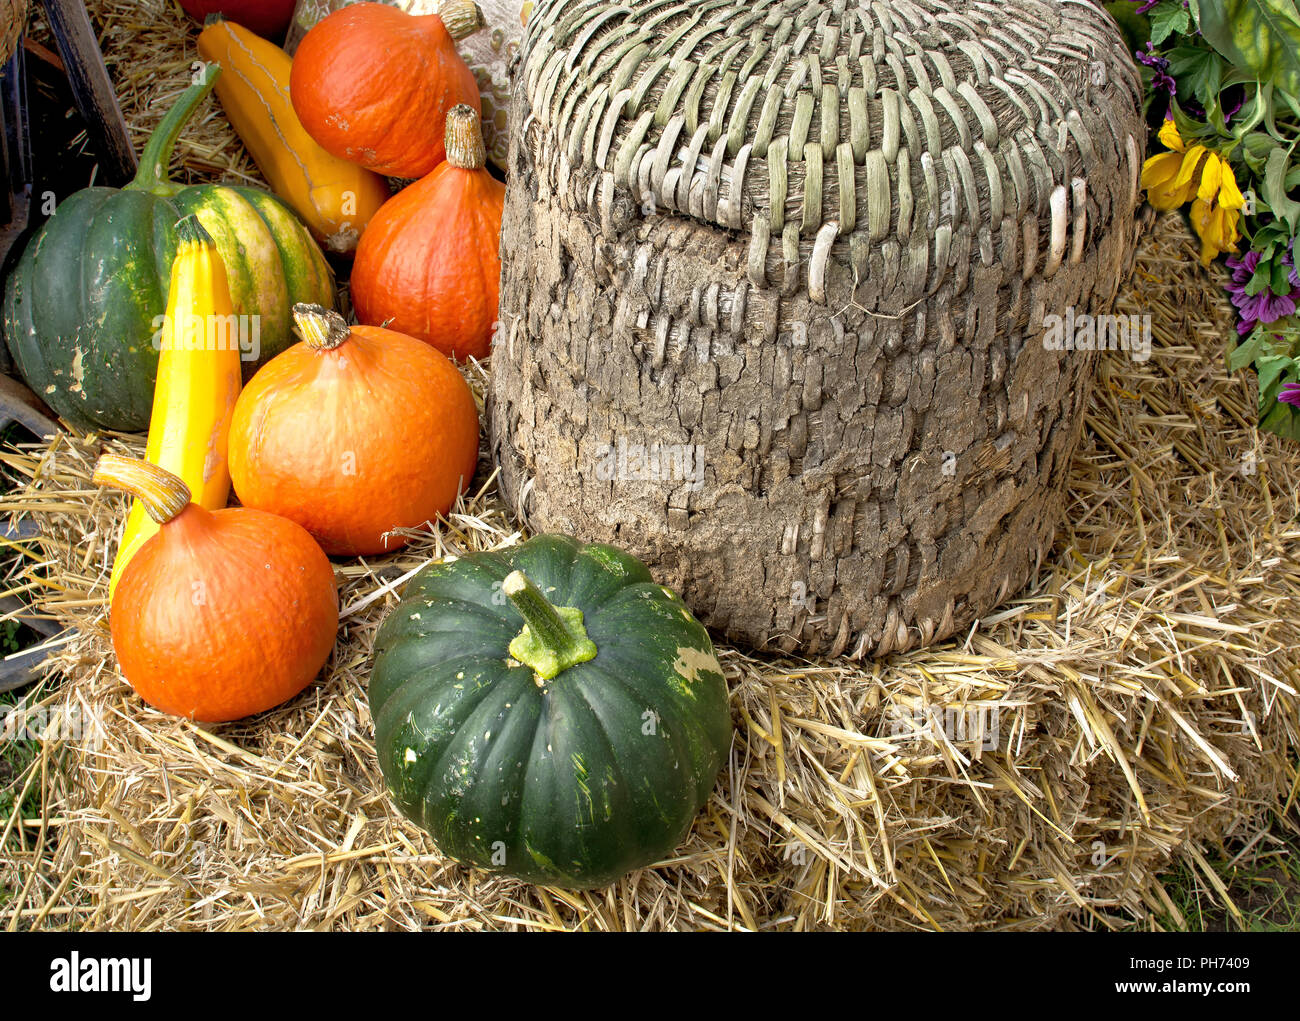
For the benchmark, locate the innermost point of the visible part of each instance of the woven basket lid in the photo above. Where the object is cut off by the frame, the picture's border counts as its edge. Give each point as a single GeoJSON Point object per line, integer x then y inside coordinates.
{"type": "Point", "coordinates": [820, 127]}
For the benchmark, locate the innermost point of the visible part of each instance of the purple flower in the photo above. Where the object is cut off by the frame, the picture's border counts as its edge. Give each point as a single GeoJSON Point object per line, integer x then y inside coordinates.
{"type": "Point", "coordinates": [1290, 394]}
{"type": "Point", "coordinates": [1242, 268]}
{"type": "Point", "coordinates": [1264, 307]}
{"type": "Point", "coordinates": [1253, 309]}
{"type": "Point", "coordinates": [1160, 78]}
{"type": "Point", "coordinates": [1146, 5]}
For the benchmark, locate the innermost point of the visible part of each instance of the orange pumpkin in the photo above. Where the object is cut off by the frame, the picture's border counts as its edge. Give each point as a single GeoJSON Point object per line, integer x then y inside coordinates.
{"type": "Point", "coordinates": [353, 433]}
{"type": "Point", "coordinates": [429, 264]}
{"type": "Point", "coordinates": [220, 614]}
{"type": "Point", "coordinates": [373, 84]}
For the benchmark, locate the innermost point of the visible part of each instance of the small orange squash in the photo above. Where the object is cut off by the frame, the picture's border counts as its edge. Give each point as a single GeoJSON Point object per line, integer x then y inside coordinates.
{"type": "Point", "coordinates": [429, 265]}
{"type": "Point", "coordinates": [373, 84]}
{"type": "Point", "coordinates": [221, 614]}
{"type": "Point", "coordinates": [353, 433]}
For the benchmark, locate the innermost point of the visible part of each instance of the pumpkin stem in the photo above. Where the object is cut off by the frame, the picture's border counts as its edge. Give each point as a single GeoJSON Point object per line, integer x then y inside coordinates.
{"type": "Point", "coordinates": [464, 138]}
{"type": "Point", "coordinates": [321, 328]}
{"type": "Point", "coordinates": [152, 175]}
{"type": "Point", "coordinates": [164, 495]}
{"type": "Point", "coordinates": [553, 638]}
{"type": "Point", "coordinates": [460, 17]}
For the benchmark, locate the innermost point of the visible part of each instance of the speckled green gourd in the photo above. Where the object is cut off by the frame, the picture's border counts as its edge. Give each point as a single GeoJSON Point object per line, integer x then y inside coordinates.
{"type": "Point", "coordinates": [571, 780]}
{"type": "Point", "coordinates": [81, 304]}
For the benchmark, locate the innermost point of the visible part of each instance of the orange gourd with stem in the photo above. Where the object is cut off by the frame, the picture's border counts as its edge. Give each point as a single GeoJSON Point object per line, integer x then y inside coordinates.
{"type": "Point", "coordinates": [373, 84]}
{"type": "Point", "coordinates": [353, 433]}
{"type": "Point", "coordinates": [221, 614]}
{"type": "Point", "coordinates": [429, 264]}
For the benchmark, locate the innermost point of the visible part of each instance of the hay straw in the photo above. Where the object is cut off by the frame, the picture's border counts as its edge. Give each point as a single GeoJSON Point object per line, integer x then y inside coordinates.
{"type": "Point", "coordinates": [1144, 687]}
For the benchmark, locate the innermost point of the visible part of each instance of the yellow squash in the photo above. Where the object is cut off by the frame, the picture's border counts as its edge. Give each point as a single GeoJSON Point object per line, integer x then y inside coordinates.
{"type": "Point", "coordinates": [198, 383]}
{"type": "Point", "coordinates": [335, 198]}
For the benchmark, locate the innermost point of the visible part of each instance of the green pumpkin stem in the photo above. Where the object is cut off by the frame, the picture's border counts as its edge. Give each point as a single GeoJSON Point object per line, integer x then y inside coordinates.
{"type": "Point", "coordinates": [321, 328]}
{"type": "Point", "coordinates": [156, 158]}
{"type": "Point", "coordinates": [553, 638]}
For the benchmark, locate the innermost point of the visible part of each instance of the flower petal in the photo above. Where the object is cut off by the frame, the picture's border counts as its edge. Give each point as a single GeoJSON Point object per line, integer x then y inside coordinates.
{"type": "Point", "coordinates": [1169, 136]}
{"type": "Point", "coordinates": [1230, 195]}
{"type": "Point", "coordinates": [1191, 161]}
{"type": "Point", "coordinates": [1211, 177]}
{"type": "Point", "coordinates": [1216, 227]}
{"type": "Point", "coordinates": [1158, 176]}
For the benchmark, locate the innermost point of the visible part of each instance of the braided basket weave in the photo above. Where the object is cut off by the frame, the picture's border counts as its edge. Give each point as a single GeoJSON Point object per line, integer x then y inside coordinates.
{"type": "Point", "coordinates": [774, 286]}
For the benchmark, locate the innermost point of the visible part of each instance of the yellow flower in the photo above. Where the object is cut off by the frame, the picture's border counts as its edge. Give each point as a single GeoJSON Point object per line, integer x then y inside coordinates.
{"type": "Point", "coordinates": [1168, 177]}
{"type": "Point", "coordinates": [1160, 177]}
{"type": "Point", "coordinates": [1203, 178]}
{"type": "Point", "coordinates": [1216, 226]}
{"type": "Point", "coordinates": [1169, 136]}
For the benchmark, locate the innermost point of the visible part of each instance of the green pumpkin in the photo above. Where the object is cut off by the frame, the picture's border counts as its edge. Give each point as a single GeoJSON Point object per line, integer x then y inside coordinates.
{"type": "Point", "coordinates": [83, 305]}
{"type": "Point", "coordinates": [548, 712]}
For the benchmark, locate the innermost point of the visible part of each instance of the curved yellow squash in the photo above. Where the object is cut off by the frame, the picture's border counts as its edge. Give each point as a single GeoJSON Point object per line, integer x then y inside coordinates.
{"type": "Point", "coordinates": [335, 198]}
{"type": "Point", "coordinates": [198, 383]}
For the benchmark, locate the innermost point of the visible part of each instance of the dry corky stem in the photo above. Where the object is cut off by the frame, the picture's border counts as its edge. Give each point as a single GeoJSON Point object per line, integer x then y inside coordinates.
{"type": "Point", "coordinates": [775, 280]}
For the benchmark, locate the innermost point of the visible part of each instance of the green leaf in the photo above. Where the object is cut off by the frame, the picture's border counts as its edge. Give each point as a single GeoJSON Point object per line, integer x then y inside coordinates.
{"type": "Point", "coordinates": [1191, 130]}
{"type": "Point", "coordinates": [1268, 91]}
{"type": "Point", "coordinates": [1254, 150]}
{"type": "Point", "coordinates": [1281, 420]}
{"type": "Point", "coordinates": [1274, 416]}
{"type": "Point", "coordinates": [1166, 19]}
{"type": "Point", "coordinates": [1258, 280]}
{"type": "Point", "coordinates": [1245, 352]}
{"type": "Point", "coordinates": [1279, 282]}
{"type": "Point", "coordinates": [1262, 36]}
{"type": "Point", "coordinates": [1271, 237]}
{"type": "Point", "coordinates": [1270, 369]}
{"type": "Point", "coordinates": [1274, 188]}
{"type": "Point", "coordinates": [1292, 102]}
{"type": "Point", "coordinates": [1199, 73]}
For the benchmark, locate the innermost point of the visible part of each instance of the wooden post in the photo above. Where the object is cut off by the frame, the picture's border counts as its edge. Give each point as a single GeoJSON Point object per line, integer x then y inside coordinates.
{"type": "Point", "coordinates": [92, 89]}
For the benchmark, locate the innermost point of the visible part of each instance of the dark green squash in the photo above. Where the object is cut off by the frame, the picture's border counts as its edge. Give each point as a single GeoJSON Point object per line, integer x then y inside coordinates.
{"type": "Point", "coordinates": [589, 759]}
{"type": "Point", "coordinates": [82, 306]}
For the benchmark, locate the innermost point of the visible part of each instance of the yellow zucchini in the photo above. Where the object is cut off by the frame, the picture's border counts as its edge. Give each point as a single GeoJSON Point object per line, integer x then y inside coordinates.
{"type": "Point", "coordinates": [198, 383]}
{"type": "Point", "coordinates": [335, 198]}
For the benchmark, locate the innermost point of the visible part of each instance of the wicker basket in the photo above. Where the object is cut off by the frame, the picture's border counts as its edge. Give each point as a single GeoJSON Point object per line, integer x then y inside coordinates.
{"type": "Point", "coordinates": [775, 284]}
